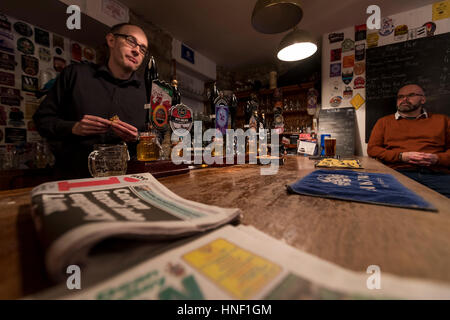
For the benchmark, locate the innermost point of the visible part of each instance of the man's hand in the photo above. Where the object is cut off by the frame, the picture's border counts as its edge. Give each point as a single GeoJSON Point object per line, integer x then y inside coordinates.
{"type": "Point", "coordinates": [127, 132]}
{"type": "Point", "coordinates": [420, 158]}
{"type": "Point", "coordinates": [90, 125]}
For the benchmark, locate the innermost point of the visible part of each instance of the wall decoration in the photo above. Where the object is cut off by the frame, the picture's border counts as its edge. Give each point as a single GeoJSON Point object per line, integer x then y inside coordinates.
{"type": "Point", "coordinates": [335, 87]}
{"type": "Point", "coordinates": [357, 101]}
{"type": "Point", "coordinates": [335, 70]}
{"type": "Point", "coordinates": [7, 61]}
{"type": "Point", "coordinates": [336, 37]}
{"type": "Point", "coordinates": [89, 54]}
{"type": "Point", "coordinates": [25, 46]}
{"type": "Point", "coordinates": [335, 54]}
{"type": "Point", "coordinates": [31, 105]}
{"type": "Point", "coordinates": [348, 93]}
{"type": "Point", "coordinates": [359, 68]}
{"type": "Point", "coordinates": [335, 101]}
{"type": "Point", "coordinates": [387, 27]}
{"type": "Point", "coordinates": [4, 23]}
{"type": "Point", "coordinates": [9, 96]}
{"type": "Point", "coordinates": [16, 117]}
{"type": "Point", "coordinates": [372, 40]}
{"type": "Point", "coordinates": [348, 61]}
{"type": "Point", "coordinates": [6, 41]}
{"type": "Point", "coordinates": [32, 134]}
{"type": "Point", "coordinates": [3, 116]}
{"type": "Point", "coordinates": [45, 55]}
{"type": "Point", "coordinates": [431, 28]}
{"type": "Point", "coordinates": [41, 37]}
{"type": "Point", "coordinates": [59, 64]}
{"type": "Point", "coordinates": [360, 32]}
{"type": "Point", "coordinates": [441, 10]}
{"type": "Point", "coordinates": [58, 51]}
{"type": "Point", "coordinates": [360, 52]}
{"type": "Point", "coordinates": [58, 41]}
{"type": "Point", "coordinates": [23, 29]}
{"type": "Point", "coordinates": [30, 65]}
{"type": "Point", "coordinates": [419, 32]}
{"type": "Point", "coordinates": [401, 33]}
{"type": "Point", "coordinates": [347, 76]}
{"type": "Point", "coordinates": [348, 45]}
{"type": "Point", "coordinates": [30, 84]}
{"type": "Point", "coordinates": [359, 83]}
{"type": "Point", "coordinates": [15, 135]}
{"type": "Point", "coordinates": [76, 52]}
{"type": "Point", "coordinates": [7, 79]}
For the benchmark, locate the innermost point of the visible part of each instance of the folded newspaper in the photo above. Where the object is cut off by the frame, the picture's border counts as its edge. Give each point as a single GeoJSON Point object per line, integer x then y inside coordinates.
{"type": "Point", "coordinates": [72, 216]}
{"type": "Point", "coordinates": [244, 263]}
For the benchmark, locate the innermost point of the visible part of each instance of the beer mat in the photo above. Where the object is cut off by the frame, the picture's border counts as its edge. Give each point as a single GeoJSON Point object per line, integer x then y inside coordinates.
{"type": "Point", "coordinates": [337, 163]}
{"type": "Point", "coordinates": [358, 186]}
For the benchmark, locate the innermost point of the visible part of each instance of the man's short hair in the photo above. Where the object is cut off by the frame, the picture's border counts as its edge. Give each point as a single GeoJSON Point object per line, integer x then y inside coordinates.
{"type": "Point", "coordinates": [116, 28]}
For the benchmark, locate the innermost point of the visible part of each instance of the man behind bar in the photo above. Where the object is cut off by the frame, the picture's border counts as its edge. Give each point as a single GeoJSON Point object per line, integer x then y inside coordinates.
{"type": "Point", "coordinates": [76, 113]}
{"type": "Point", "coordinates": [414, 142]}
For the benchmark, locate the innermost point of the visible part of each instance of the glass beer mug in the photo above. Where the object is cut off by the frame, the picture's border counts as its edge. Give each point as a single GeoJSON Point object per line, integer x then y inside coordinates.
{"type": "Point", "coordinates": [148, 148]}
{"type": "Point", "coordinates": [108, 160]}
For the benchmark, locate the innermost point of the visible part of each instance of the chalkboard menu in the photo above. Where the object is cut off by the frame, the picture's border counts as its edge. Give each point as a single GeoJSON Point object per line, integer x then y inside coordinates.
{"type": "Point", "coordinates": [340, 123]}
{"type": "Point", "coordinates": [424, 61]}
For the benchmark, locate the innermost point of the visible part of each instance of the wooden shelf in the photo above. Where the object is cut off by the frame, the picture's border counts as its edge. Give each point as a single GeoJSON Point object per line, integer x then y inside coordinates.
{"type": "Point", "coordinates": [288, 89]}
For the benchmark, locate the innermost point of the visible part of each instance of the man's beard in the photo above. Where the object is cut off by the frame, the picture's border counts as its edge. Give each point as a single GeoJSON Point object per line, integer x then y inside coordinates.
{"type": "Point", "coordinates": [408, 107]}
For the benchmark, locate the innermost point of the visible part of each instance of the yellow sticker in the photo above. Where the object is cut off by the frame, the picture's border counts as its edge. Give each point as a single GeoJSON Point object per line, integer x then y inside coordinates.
{"type": "Point", "coordinates": [357, 101]}
{"type": "Point", "coordinates": [441, 10]}
{"type": "Point", "coordinates": [372, 39]}
{"type": "Point", "coordinates": [240, 272]}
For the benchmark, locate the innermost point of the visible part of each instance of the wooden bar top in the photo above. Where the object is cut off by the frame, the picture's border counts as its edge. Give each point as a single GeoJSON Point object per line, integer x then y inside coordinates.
{"type": "Point", "coordinates": [404, 242]}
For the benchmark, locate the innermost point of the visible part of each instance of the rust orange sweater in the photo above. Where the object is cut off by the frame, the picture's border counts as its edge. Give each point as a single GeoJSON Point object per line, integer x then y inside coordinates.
{"type": "Point", "coordinates": [431, 135]}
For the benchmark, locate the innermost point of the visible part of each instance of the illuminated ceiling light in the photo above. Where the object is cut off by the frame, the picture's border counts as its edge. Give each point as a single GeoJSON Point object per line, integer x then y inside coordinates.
{"type": "Point", "coordinates": [297, 45]}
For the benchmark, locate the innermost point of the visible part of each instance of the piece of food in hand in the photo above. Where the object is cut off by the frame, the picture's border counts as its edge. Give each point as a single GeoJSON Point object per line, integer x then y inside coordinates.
{"type": "Point", "coordinates": [114, 119]}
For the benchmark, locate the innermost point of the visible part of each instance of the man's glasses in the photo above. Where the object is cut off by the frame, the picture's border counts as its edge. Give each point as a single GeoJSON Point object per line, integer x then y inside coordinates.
{"type": "Point", "coordinates": [409, 96]}
{"type": "Point", "coordinates": [132, 42]}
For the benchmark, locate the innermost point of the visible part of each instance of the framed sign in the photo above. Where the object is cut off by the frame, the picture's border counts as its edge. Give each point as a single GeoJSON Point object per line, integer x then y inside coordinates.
{"type": "Point", "coordinates": [187, 54]}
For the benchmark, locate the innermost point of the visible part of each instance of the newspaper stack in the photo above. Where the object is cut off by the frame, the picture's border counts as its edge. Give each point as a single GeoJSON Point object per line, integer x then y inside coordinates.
{"type": "Point", "coordinates": [73, 216]}
{"type": "Point", "coordinates": [243, 263]}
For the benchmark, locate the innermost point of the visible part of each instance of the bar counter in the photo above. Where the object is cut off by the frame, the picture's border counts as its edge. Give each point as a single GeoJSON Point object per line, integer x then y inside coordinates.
{"type": "Point", "coordinates": [404, 242]}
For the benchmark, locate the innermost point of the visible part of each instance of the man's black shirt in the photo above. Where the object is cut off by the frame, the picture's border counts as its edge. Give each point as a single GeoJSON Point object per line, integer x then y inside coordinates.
{"type": "Point", "coordinates": [87, 89]}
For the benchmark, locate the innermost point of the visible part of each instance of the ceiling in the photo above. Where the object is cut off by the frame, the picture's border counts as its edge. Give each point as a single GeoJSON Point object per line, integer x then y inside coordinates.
{"type": "Point", "coordinates": [221, 29]}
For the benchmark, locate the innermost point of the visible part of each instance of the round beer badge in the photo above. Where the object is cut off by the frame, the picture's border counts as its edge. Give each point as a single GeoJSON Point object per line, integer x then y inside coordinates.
{"type": "Point", "coordinates": [431, 28]}
{"type": "Point", "coordinates": [160, 117]}
{"type": "Point", "coordinates": [23, 29]}
{"type": "Point", "coordinates": [335, 101]}
{"type": "Point", "coordinates": [58, 51]}
{"type": "Point", "coordinates": [348, 45]}
{"type": "Point", "coordinates": [89, 53]}
{"type": "Point", "coordinates": [25, 46]}
{"type": "Point", "coordinates": [360, 68]}
{"type": "Point", "coordinates": [359, 83]}
{"type": "Point", "coordinates": [387, 27]}
{"type": "Point", "coordinates": [181, 119]}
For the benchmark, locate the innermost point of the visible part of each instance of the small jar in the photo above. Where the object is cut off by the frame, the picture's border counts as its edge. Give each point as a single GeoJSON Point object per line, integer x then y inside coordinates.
{"type": "Point", "coordinates": [147, 149]}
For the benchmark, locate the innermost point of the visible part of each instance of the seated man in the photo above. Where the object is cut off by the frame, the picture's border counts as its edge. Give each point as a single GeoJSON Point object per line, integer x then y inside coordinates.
{"type": "Point", "coordinates": [414, 142]}
{"type": "Point", "coordinates": [78, 111]}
